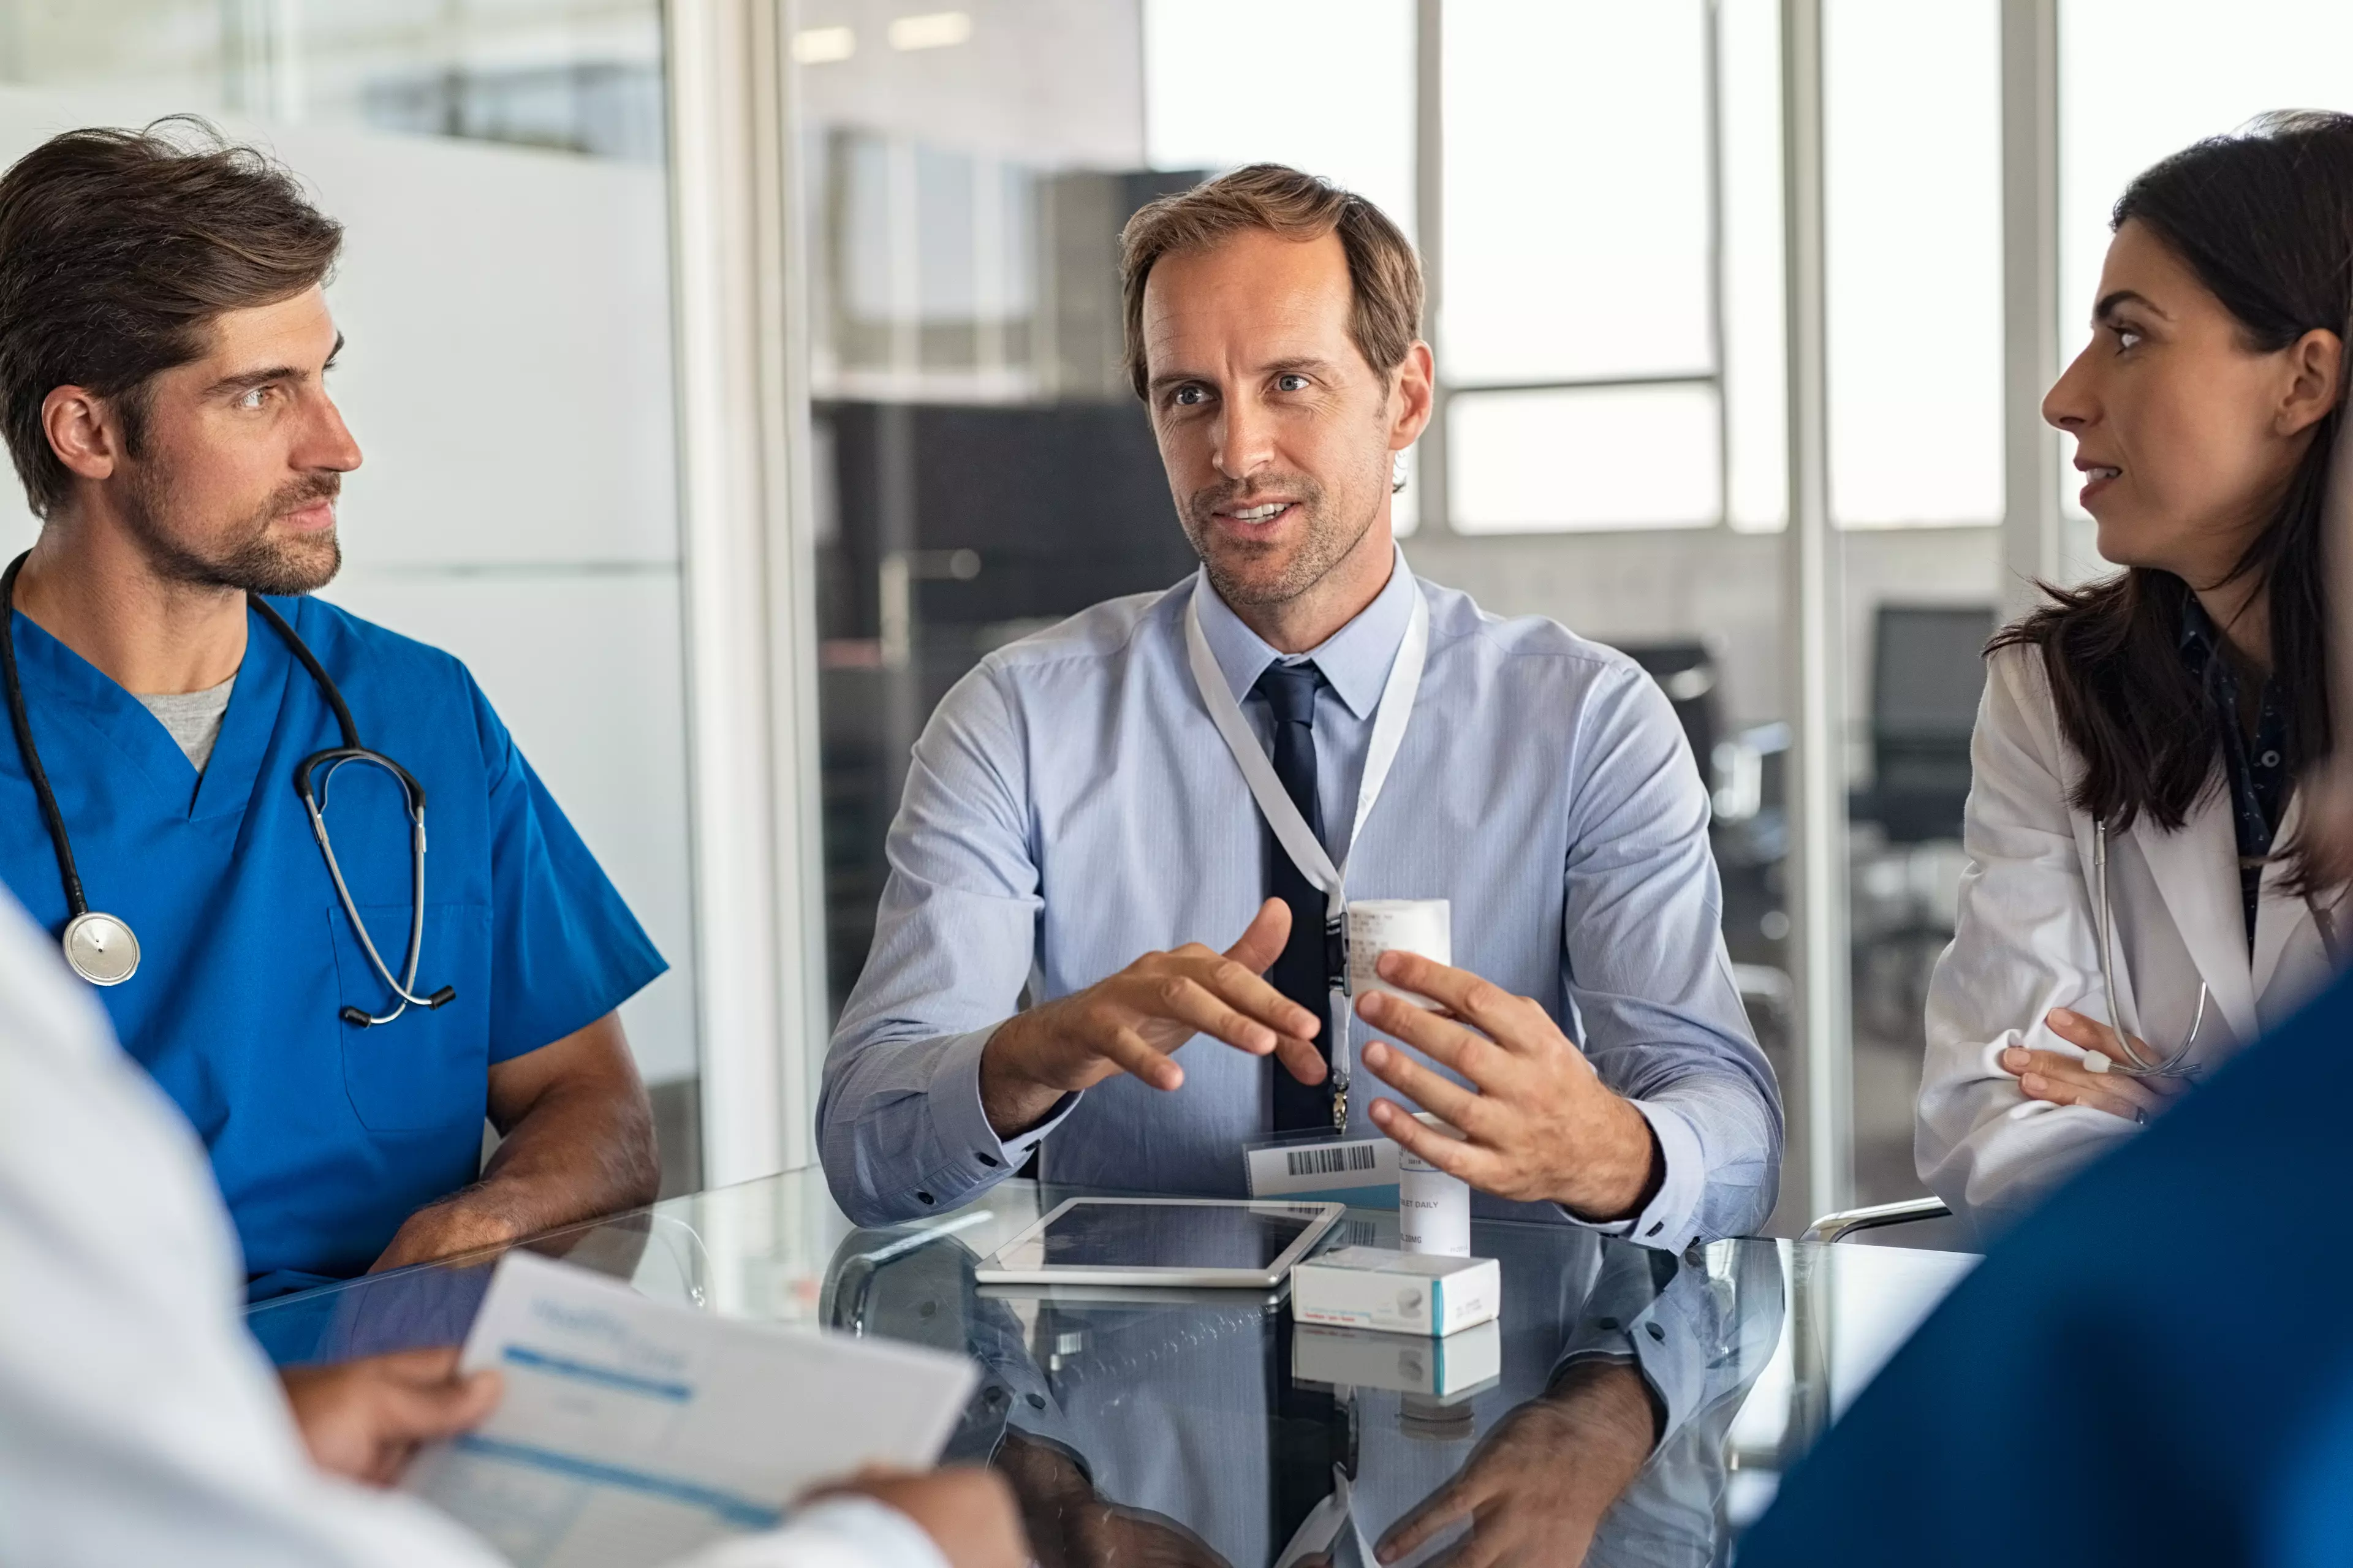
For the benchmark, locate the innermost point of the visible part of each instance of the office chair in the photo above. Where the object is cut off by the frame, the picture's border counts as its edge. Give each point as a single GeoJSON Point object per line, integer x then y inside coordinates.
{"type": "Point", "coordinates": [1927, 672]}
{"type": "Point", "coordinates": [1686, 672]}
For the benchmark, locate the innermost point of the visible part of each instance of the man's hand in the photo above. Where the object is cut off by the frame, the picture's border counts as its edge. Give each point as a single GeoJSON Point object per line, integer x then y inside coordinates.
{"type": "Point", "coordinates": [968, 1512]}
{"type": "Point", "coordinates": [1539, 1127]}
{"type": "Point", "coordinates": [1131, 1021]}
{"type": "Point", "coordinates": [1537, 1486]}
{"type": "Point", "coordinates": [2064, 1081]}
{"type": "Point", "coordinates": [363, 1420]}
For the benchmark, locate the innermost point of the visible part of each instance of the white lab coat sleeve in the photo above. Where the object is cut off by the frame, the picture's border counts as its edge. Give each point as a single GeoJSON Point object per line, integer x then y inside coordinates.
{"type": "Point", "coordinates": [2023, 945]}
{"type": "Point", "coordinates": [138, 1422]}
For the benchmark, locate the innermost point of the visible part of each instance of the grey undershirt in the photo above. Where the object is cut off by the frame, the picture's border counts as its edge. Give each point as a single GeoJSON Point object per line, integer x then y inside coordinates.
{"type": "Point", "coordinates": [194, 717]}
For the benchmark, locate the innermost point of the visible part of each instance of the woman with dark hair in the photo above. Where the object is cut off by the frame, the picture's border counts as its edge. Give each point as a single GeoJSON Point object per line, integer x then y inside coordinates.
{"type": "Point", "coordinates": [2133, 823]}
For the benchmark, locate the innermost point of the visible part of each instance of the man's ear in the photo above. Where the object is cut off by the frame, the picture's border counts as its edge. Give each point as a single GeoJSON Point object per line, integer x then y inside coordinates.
{"type": "Point", "coordinates": [85, 431]}
{"type": "Point", "coordinates": [2317, 362]}
{"type": "Point", "coordinates": [1416, 396]}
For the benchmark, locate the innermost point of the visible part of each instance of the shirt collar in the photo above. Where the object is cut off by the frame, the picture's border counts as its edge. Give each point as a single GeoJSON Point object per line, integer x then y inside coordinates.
{"type": "Point", "coordinates": [2197, 634]}
{"type": "Point", "coordinates": [1354, 659]}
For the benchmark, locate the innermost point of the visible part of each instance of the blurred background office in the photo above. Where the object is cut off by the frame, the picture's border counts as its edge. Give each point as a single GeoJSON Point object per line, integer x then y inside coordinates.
{"type": "Point", "coordinates": [734, 374]}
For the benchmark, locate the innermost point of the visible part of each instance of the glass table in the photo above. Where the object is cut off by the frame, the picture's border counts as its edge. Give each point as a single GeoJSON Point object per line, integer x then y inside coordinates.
{"type": "Point", "coordinates": [1207, 1428]}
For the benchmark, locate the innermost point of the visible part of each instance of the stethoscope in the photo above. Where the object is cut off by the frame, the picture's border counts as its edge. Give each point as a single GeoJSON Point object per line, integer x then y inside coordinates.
{"type": "Point", "coordinates": [2178, 1063]}
{"type": "Point", "coordinates": [102, 947]}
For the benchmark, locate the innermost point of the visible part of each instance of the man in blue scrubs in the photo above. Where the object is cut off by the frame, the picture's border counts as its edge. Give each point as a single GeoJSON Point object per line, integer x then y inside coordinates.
{"type": "Point", "coordinates": [164, 344]}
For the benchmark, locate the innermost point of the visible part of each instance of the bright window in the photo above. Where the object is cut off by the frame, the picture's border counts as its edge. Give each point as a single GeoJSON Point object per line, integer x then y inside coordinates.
{"type": "Point", "coordinates": [1326, 86]}
{"type": "Point", "coordinates": [1912, 113]}
{"type": "Point", "coordinates": [1576, 457]}
{"type": "Point", "coordinates": [1577, 191]}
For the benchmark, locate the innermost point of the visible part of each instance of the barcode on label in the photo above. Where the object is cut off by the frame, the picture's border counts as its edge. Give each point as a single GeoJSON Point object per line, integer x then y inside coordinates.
{"type": "Point", "coordinates": [1330, 1162]}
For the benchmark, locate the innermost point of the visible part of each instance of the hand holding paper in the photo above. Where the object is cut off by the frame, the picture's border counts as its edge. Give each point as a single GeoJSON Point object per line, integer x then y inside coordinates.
{"type": "Point", "coordinates": [365, 1420]}
{"type": "Point", "coordinates": [633, 1431]}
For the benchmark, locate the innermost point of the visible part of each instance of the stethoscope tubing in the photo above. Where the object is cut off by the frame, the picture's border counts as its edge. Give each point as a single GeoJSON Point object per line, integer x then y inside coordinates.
{"type": "Point", "coordinates": [77, 902]}
{"type": "Point", "coordinates": [403, 988]}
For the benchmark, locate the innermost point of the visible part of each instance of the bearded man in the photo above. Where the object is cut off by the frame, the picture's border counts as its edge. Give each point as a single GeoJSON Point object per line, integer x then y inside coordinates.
{"type": "Point", "coordinates": [1135, 821]}
{"type": "Point", "coordinates": [213, 792]}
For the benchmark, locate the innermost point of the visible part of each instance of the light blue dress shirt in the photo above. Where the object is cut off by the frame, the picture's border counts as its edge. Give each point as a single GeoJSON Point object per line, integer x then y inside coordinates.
{"type": "Point", "coordinates": [1070, 806]}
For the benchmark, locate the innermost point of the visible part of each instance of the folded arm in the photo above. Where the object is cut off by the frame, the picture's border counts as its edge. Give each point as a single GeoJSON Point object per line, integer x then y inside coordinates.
{"type": "Point", "coordinates": [2022, 947]}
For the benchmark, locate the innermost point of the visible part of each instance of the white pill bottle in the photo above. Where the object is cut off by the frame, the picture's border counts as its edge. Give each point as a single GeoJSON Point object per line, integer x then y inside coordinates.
{"type": "Point", "coordinates": [1433, 1208]}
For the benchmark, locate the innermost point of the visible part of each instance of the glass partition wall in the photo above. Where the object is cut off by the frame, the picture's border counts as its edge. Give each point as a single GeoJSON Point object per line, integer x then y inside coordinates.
{"type": "Point", "coordinates": [1601, 194]}
{"type": "Point", "coordinates": [499, 167]}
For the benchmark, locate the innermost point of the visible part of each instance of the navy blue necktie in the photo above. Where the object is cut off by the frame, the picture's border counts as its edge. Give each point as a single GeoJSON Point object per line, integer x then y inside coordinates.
{"type": "Point", "coordinates": [1301, 973]}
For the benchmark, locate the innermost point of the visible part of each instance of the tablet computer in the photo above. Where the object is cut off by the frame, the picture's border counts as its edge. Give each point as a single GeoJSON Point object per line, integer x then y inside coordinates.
{"type": "Point", "coordinates": [1162, 1241]}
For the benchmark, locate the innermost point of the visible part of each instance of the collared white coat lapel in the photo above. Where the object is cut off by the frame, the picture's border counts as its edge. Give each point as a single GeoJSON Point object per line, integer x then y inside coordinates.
{"type": "Point", "coordinates": [2197, 871]}
{"type": "Point", "coordinates": [2282, 917]}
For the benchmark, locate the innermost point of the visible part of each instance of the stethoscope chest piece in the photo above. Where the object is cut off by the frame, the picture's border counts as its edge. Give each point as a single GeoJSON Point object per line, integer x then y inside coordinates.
{"type": "Point", "coordinates": [101, 948]}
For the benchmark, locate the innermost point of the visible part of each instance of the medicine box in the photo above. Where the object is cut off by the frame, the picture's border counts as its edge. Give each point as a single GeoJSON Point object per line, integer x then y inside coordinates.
{"type": "Point", "coordinates": [1399, 1292]}
{"type": "Point", "coordinates": [1448, 1368]}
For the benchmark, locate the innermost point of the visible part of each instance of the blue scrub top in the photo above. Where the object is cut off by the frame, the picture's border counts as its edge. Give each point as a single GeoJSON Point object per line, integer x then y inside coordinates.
{"type": "Point", "coordinates": [324, 1137]}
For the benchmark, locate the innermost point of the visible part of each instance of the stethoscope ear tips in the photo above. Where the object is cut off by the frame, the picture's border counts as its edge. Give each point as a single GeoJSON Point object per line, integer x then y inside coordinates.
{"type": "Point", "coordinates": [355, 1018]}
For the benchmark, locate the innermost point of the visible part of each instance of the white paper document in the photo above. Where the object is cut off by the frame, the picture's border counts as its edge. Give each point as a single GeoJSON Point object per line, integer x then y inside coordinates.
{"type": "Point", "coordinates": [633, 1431]}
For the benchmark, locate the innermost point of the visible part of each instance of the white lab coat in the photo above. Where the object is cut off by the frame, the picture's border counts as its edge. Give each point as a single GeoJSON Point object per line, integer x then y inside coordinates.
{"type": "Point", "coordinates": [139, 1422]}
{"type": "Point", "coordinates": [2025, 943]}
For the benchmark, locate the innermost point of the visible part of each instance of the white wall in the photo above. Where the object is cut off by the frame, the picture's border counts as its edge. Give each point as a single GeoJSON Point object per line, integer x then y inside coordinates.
{"type": "Point", "coordinates": [507, 374]}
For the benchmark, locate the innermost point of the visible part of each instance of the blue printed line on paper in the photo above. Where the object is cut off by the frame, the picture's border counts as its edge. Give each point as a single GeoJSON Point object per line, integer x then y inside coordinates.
{"type": "Point", "coordinates": [626, 1380]}
{"type": "Point", "coordinates": [739, 1512]}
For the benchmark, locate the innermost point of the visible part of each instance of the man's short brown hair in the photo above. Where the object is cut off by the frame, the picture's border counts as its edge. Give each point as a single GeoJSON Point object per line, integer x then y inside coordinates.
{"type": "Point", "coordinates": [1385, 274]}
{"type": "Point", "coordinates": [118, 251]}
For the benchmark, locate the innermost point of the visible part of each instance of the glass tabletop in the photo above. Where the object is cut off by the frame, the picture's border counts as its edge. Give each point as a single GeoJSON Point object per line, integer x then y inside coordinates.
{"type": "Point", "coordinates": [1207, 1428]}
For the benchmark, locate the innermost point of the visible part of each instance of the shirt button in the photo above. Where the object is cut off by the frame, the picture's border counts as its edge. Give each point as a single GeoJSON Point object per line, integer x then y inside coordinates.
{"type": "Point", "coordinates": [2271, 759]}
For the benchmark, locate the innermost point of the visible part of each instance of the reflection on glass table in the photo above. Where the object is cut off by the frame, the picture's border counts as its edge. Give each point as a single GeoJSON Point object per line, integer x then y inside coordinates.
{"type": "Point", "coordinates": [1628, 1405]}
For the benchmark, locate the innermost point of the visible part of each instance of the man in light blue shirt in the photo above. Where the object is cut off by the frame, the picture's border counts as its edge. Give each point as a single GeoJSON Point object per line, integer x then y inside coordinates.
{"type": "Point", "coordinates": [1072, 804]}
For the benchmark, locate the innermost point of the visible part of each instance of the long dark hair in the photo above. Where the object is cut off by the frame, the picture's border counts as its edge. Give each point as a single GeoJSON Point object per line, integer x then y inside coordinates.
{"type": "Point", "coordinates": [2264, 218]}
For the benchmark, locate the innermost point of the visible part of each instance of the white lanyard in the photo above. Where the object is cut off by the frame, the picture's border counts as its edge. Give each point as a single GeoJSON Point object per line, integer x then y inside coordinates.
{"type": "Point", "coordinates": [1290, 830]}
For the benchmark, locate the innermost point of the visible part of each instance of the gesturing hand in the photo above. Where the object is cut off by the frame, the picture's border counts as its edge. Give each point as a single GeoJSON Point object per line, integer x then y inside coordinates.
{"type": "Point", "coordinates": [1131, 1021]}
{"type": "Point", "coordinates": [1538, 1126]}
{"type": "Point", "coordinates": [2063, 1079]}
{"type": "Point", "coordinates": [365, 1420]}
